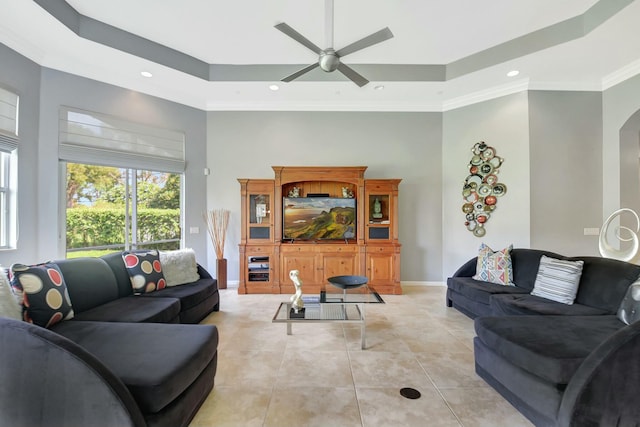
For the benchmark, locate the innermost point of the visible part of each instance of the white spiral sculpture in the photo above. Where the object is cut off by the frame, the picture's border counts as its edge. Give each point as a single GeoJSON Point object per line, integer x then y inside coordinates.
{"type": "Point", "coordinates": [608, 251]}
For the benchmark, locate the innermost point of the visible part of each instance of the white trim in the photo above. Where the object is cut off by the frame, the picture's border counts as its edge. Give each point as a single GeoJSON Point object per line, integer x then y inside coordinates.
{"type": "Point", "coordinates": [414, 283]}
{"type": "Point", "coordinates": [486, 95]}
{"type": "Point", "coordinates": [621, 75]}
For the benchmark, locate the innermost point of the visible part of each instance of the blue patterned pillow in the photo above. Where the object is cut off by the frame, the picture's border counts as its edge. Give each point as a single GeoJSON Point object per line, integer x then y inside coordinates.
{"type": "Point", "coordinates": [145, 271]}
{"type": "Point", "coordinates": [495, 266]}
{"type": "Point", "coordinates": [42, 292]}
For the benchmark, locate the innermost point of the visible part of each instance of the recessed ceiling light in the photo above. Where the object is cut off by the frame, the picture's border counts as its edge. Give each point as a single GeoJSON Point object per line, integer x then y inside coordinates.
{"type": "Point", "coordinates": [274, 87]}
{"type": "Point", "coordinates": [513, 73]}
{"type": "Point", "coordinates": [146, 74]}
{"type": "Point", "coordinates": [379, 87]}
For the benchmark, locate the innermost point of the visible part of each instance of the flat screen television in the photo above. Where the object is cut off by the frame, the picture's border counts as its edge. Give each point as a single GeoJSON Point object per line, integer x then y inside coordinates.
{"type": "Point", "coordinates": [316, 218]}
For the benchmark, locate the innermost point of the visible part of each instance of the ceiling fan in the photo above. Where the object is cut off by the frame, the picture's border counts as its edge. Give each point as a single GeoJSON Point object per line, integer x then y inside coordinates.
{"type": "Point", "coordinates": [329, 58]}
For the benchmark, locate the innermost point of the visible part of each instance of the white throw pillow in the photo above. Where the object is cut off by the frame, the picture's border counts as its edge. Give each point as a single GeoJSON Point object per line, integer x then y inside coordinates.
{"type": "Point", "coordinates": [179, 266]}
{"type": "Point", "coordinates": [557, 279]}
{"type": "Point", "coordinates": [9, 306]}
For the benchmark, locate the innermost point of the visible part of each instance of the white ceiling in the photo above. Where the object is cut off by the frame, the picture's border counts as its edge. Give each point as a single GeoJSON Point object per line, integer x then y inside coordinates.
{"type": "Point", "coordinates": [426, 32]}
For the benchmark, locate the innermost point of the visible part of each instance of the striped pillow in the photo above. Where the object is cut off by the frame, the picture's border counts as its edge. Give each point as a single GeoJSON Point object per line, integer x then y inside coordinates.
{"type": "Point", "coordinates": [557, 279]}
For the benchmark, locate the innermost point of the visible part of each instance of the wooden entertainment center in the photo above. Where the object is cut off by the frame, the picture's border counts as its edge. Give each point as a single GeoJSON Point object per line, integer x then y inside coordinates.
{"type": "Point", "coordinates": [370, 248]}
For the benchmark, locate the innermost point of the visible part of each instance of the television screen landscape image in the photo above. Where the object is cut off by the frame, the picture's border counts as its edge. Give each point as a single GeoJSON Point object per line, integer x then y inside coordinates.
{"type": "Point", "coordinates": [311, 218]}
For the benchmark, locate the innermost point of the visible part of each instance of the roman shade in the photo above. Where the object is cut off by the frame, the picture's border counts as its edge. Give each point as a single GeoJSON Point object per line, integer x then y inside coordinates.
{"type": "Point", "coordinates": [88, 137]}
{"type": "Point", "coordinates": [8, 120]}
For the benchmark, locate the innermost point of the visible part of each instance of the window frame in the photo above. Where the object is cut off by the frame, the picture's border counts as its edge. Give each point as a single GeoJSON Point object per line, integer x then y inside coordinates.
{"type": "Point", "coordinates": [131, 221]}
{"type": "Point", "coordinates": [8, 207]}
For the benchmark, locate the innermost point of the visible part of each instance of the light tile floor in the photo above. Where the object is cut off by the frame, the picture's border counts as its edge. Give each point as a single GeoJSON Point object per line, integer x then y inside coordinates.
{"type": "Point", "coordinates": [319, 376]}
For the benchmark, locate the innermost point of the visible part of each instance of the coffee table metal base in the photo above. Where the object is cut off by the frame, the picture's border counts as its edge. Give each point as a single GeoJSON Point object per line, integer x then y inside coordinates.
{"type": "Point", "coordinates": [347, 312]}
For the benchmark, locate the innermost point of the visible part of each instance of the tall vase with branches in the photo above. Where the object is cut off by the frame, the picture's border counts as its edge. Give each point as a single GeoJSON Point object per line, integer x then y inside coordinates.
{"type": "Point", "coordinates": [217, 223]}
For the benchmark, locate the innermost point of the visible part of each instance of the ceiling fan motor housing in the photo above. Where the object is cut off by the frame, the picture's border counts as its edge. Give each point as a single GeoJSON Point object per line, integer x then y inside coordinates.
{"type": "Point", "coordinates": [329, 61]}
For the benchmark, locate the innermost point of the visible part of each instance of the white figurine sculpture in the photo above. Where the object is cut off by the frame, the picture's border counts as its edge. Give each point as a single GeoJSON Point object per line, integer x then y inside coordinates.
{"type": "Point", "coordinates": [608, 250]}
{"type": "Point", "coordinates": [296, 299]}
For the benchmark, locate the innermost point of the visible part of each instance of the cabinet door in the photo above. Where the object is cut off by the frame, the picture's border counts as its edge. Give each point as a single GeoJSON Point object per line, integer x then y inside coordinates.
{"type": "Point", "coordinates": [380, 268]}
{"type": "Point", "coordinates": [256, 270]}
{"type": "Point", "coordinates": [339, 264]}
{"type": "Point", "coordinates": [381, 210]}
{"type": "Point", "coordinates": [304, 262]}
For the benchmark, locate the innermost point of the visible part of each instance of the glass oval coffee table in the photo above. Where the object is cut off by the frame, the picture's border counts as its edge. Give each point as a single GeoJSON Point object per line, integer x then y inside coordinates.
{"type": "Point", "coordinates": [333, 305]}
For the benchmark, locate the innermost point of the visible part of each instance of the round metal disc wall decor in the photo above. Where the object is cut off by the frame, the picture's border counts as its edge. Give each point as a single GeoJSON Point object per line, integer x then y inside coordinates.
{"type": "Point", "coordinates": [481, 189]}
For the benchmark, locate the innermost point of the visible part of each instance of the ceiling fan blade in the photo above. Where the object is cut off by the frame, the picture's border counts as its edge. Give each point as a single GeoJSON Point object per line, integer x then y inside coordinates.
{"type": "Point", "coordinates": [370, 40]}
{"type": "Point", "coordinates": [352, 75]}
{"type": "Point", "coordinates": [298, 37]}
{"type": "Point", "coordinates": [300, 72]}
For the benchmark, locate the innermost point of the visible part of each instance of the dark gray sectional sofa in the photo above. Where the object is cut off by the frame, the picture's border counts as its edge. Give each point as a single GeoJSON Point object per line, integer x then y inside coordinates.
{"type": "Point", "coordinates": [123, 360]}
{"type": "Point", "coordinates": [558, 364]}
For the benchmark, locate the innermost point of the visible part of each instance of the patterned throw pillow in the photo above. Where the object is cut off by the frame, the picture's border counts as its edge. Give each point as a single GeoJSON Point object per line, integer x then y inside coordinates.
{"type": "Point", "coordinates": [558, 279]}
{"type": "Point", "coordinates": [495, 266]}
{"type": "Point", "coordinates": [145, 271]}
{"type": "Point", "coordinates": [629, 310]}
{"type": "Point", "coordinates": [42, 292]}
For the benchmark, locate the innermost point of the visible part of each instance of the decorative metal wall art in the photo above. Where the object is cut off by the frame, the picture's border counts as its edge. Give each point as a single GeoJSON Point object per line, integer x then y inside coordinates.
{"type": "Point", "coordinates": [607, 250]}
{"type": "Point", "coordinates": [481, 189]}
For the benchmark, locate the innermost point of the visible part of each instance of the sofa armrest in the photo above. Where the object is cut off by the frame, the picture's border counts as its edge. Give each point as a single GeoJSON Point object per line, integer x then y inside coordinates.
{"type": "Point", "coordinates": [204, 274]}
{"type": "Point", "coordinates": [604, 389]}
{"type": "Point", "coordinates": [468, 269]}
{"type": "Point", "coordinates": [48, 380]}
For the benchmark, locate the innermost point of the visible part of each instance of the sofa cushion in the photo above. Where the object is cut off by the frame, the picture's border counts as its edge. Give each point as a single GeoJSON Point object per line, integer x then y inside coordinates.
{"type": "Point", "coordinates": [557, 279]}
{"type": "Point", "coordinates": [478, 290]}
{"type": "Point", "coordinates": [629, 311]}
{"type": "Point", "coordinates": [156, 362]}
{"type": "Point", "coordinates": [605, 281]}
{"type": "Point", "coordinates": [134, 309]}
{"type": "Point", "coordinates": [189, 296]}
{"type": "Point", "coordinates": [90, 281]}
{"type": "Point", "coordinates": [145, 271]}
{"type": "Point", "coordinates": [494, 266]}
{"type": "Point", "coordinates": [550, 347]}
{"type": "Point", "coordinates": [525, 265]}
{"type": "Point", "coordinates": [116, 264]}
{"type": "Point", "coordinates": [179, 266]}
{"type": "Point", "coordinates": [43, 292]}
{"type": "Point", "coordinates": [508, 304]}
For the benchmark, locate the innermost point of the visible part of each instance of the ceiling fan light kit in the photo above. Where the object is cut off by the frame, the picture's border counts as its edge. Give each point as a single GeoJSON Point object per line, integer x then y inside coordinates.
{"type": "Point", "coordinates": [329, 58]}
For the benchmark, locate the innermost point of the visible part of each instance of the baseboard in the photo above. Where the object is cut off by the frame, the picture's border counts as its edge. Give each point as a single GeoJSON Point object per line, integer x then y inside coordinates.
{"type": "Point", "coordinates": [415, 283]}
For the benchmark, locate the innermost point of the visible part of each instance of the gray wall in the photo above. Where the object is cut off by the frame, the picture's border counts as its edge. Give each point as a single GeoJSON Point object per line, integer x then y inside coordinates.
{"type": "Point", "coordinates": [23, 76]}
{"type": "Point", "coordinates": [502, 123]}
{"type": "Point", "coordinates": [619, 103]}
{"type": "Point", "coordinates": [42, 92]}
{"type": "Point", "coordinates": [566, 170]}
{"type": "Point", "coordinates": [392, 145]}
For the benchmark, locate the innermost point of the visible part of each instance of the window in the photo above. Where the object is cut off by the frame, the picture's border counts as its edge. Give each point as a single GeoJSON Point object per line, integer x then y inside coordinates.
{"type": "Point", "coordinates": [110, 209]}
{"type": "Point", "coordinates": [5, 194]}
{"type": "Point", "coordinates": [123, 183]}
{"type": "Point", "coordinates": [9, 102]}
